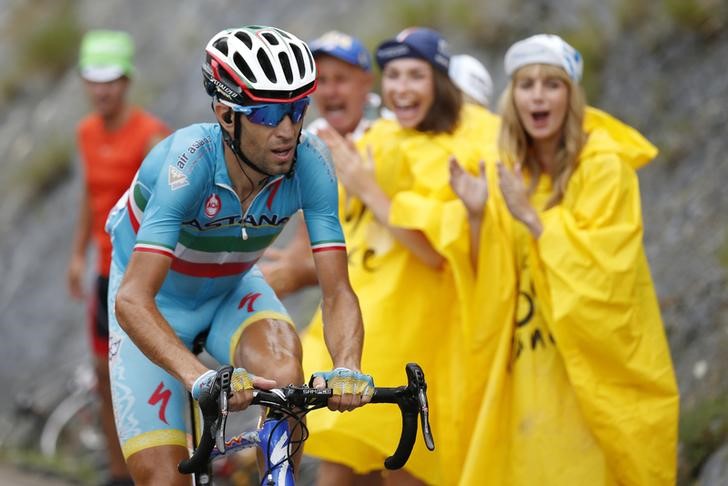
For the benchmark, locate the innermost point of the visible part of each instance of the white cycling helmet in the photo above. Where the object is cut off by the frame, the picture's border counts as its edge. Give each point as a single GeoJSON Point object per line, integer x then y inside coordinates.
{"type": "Point", "coordinates": [257, 63]}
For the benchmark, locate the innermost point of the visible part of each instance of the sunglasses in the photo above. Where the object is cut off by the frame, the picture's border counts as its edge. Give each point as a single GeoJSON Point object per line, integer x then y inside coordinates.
{"type": "Point", "coordinates": [271, 114]}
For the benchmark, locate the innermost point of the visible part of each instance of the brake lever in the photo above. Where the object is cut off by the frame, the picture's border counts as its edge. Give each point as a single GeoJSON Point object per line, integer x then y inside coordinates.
{"type": "Point", "coordinates": [225, 379]}
{"type": "Point", "coordinates": [425, 420]}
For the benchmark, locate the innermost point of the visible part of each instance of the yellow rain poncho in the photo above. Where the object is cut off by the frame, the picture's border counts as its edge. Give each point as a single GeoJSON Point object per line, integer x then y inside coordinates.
{"type": "Point", "coordinates": [410, 310]}
{"type": "Point", "coordinates": [581, 388]}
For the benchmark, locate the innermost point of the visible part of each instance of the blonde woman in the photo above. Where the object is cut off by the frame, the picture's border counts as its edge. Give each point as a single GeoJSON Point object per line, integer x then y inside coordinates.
{"type": "Point", "coordinates": [581, 389]}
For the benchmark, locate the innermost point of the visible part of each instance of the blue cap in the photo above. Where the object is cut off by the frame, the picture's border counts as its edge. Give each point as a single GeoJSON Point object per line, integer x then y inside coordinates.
{"type": "Point", "coordinates": [344, 47]}
{"type": "Point", "coordinates": [419, 42]}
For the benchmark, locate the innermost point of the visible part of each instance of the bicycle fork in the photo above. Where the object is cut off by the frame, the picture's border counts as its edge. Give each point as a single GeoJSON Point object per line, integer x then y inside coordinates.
{"type": "Point", "coordinates": [275, 444]}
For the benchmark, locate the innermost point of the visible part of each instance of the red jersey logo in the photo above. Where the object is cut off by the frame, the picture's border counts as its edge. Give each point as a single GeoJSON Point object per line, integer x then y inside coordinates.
{"type": "Point", "coordinates": [212, 206]}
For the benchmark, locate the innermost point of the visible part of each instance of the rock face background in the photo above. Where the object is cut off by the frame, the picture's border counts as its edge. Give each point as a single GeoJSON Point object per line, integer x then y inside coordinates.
{"type": "Point", "coordinates": [660, 67]}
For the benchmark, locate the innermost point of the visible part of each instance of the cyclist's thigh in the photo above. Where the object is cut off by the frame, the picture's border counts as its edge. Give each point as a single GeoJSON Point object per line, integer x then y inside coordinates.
{"type": "Point", "coordinates": [252, 300]}
{"type": "Point", "coordinates": [149, 404]}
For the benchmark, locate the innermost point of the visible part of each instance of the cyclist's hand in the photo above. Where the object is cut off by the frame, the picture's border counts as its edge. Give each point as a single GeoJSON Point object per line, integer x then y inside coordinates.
{"type": "Point", "coordinates": [351, 388]}
{"type": "Point", "coordinates": [242, 384]}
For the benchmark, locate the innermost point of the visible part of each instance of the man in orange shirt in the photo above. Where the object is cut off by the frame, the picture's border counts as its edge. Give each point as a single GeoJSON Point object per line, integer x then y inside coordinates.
{"type": "Point", "coordinates": [112, 140]}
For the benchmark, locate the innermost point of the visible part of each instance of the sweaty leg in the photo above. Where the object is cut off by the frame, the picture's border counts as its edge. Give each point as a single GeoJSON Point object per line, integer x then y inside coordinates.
{"type": "Point", "coordinates": [271, 348]}
{"type": "Point", "coordinates": [158, 465]}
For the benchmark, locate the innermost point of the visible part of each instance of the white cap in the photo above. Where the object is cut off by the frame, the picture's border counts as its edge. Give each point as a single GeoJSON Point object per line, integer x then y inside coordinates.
{"type": "Point", "coordinates": [545, 49]}
{"type": "Point", "coordinates": [471, 77]}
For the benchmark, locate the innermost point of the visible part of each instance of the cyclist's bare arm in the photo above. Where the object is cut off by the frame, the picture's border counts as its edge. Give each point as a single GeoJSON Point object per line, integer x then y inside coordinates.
{"type": "Point", "coordinates": [140, 318]}
{"type": "Point", "coordinates": [291, 268]}
{"type": "Point", "coordinates": [343, 328]}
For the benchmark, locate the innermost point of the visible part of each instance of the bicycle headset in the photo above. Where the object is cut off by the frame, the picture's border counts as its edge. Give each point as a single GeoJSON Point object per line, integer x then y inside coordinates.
{"type": "Point", "coordinates": [250, 65]}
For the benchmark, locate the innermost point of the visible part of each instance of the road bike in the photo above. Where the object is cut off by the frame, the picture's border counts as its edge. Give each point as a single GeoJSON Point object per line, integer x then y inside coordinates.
{"type": "Point", "coordinates": [292, 403]}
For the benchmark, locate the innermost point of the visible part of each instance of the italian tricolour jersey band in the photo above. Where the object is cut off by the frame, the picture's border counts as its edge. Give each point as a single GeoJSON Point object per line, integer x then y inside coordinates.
{"type": "Point", "coordinates": [328, 246]}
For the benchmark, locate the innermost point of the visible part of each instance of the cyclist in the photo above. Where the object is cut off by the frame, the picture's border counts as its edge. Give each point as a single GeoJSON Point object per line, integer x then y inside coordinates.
{"type": "Point", "coordinates": [564, 297]}
{"type": "Point", "coordinates": [200, 212]}
{"type": "Point", "coordinates": [394, 197]}
{"type": "Point", "coordinates": [344, 78]}
{"type": "Point", "coordinates": [112, 141]}
{"type": "Point", "coordinates": [473, 79]}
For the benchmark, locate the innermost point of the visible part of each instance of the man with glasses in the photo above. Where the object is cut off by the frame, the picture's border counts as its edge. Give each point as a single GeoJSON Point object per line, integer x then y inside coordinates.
{"type": "Point", "coordinates": [203, 207]}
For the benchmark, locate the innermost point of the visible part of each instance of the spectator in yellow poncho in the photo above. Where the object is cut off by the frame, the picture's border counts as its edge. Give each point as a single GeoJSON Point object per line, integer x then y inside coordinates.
{"type": "Point", "coordinates": [394, 190]}
{"type": "Point", "coordinates": [581, 389]}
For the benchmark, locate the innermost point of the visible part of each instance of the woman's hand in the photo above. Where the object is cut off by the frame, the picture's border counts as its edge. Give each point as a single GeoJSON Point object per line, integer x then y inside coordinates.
{"type": "Point", "coordinates": [355, 174]}
{"type": "Point", "coordinates": [472, 190]}
{"type": "Point", "coordinates": [516, 197]}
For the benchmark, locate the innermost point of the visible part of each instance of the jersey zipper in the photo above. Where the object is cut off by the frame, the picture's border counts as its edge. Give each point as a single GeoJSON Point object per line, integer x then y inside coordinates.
{"type": "Point", "coordinates": [240, 204]}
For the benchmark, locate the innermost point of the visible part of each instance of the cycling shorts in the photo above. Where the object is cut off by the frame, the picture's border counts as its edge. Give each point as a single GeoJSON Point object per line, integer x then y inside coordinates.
{"type": "Point", "coordinates": [149, 404]}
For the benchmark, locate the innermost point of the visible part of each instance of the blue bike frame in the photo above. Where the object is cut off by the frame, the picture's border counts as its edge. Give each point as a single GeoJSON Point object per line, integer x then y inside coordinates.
{"type": "Point", "coordinates": [273, 440]}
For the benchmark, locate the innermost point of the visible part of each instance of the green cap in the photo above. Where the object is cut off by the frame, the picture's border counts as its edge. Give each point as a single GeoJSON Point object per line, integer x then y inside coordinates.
{"type": "Point", "coordinates": [106, 55]}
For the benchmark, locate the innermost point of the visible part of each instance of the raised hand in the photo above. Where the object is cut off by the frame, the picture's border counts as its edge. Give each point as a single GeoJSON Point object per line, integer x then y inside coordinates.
{"type": "Point", "coordinates": [472, 190]}
{"type": "Point", "coordinates": [353, 172]}
{"type": "Point", "coordinates": [515, 195]}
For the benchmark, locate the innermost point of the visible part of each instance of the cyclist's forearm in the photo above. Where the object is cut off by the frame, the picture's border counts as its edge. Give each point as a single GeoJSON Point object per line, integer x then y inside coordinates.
{"type": "Point", "coordinates": [343, 330]}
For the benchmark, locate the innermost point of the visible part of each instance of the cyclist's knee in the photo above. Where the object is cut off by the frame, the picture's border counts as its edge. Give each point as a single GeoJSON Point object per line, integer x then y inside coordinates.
{"type": "Point", "coordinates": [158, 465]}
{"type": "Point", "coordinates": [271, 348]}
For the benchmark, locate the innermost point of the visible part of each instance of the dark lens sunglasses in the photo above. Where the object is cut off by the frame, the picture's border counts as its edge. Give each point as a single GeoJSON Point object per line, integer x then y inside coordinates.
{"type": "Point", "coordinates": [272, 114]}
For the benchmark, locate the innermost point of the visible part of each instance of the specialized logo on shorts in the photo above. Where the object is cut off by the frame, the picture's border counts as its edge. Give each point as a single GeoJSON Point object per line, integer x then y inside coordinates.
{"type": "Point", "coordinates": [176, 178]}
{"type": "Point", "coordinates": [212, 206]}
{"type": "Point", "coordinates": [249, 299]}
{"type": "Point", "coordinates": [161, 395]}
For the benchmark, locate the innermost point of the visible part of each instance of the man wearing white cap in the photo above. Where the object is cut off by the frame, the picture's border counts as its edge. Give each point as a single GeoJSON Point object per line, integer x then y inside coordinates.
{"type": "Point", "coordinates": [112, 141]}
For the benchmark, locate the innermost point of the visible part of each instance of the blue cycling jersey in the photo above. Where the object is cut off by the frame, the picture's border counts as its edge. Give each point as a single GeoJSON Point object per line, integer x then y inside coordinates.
{"type": "Point", "coordinates": [181, 204]}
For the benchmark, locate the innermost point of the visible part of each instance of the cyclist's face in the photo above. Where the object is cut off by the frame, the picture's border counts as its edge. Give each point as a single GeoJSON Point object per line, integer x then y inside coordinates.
{"type": "Point", "coordinates": [107, 99]}
{"type": "Point", "coordinates": [541, 101]}
{"type": "Point", "coordinates": [271, 148]}
{"type": "Point", "coordinates": [408, 89]}
{"type": "Point", "coordinates": [342, 92]}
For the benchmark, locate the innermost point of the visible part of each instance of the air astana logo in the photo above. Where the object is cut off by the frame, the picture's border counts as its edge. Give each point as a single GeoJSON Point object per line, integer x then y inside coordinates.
{"type": "Point", "coordinates": [212, 206]}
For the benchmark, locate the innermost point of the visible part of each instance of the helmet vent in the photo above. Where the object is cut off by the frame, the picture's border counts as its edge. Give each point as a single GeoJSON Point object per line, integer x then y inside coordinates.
{"type": "Point", "coordinates": [310, 60]}
{"type": "Point", "coordinates": [299, 59]}
{"type": "Point", "coordinates": [286, 65]}
{"type": "Point", "coordinates": [271, 38]}
{"type": "Point", "coordinates": [283, 33]}
{"type": "Point", "coordinates": [243, 67]}
{"type": "Point", "coordinates": [244, 38]}
{"type": "Point", "coordinates": [221, 45]}
{"type": "Point", "coordinates": [267, 66]}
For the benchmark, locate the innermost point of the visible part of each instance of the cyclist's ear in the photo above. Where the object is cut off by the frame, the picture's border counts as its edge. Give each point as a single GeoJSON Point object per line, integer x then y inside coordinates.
{"type": "Point", "coordinates": [224, 115]}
